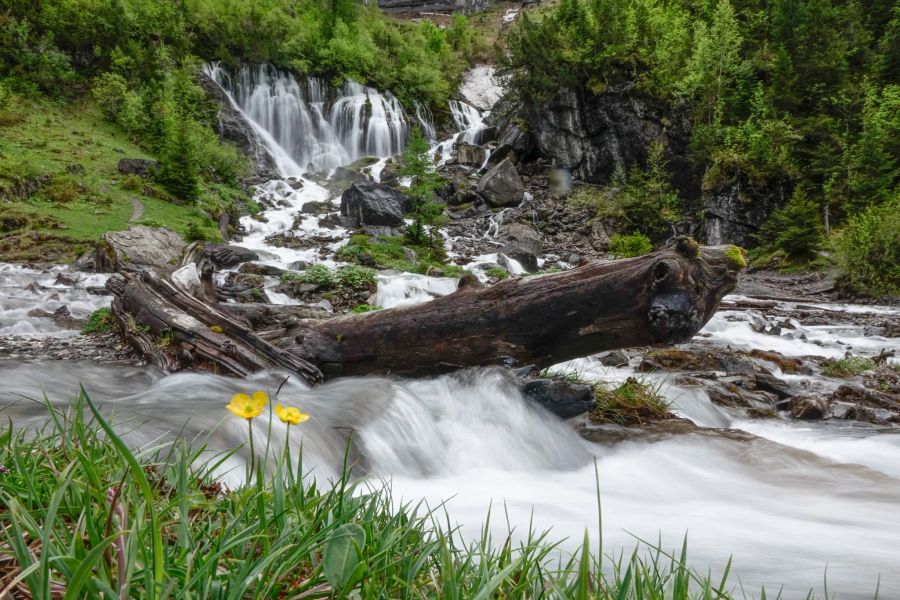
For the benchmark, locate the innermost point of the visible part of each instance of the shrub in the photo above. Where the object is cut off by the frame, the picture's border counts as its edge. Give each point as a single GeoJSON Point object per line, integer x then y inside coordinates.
{"type": "Point", "coordinates": [849, 366]}
{"type": "Point", "coordinates": [109, 92]}
{"type": "Point", "coordinates": [868, 251]}
{"type": "Point", "coordinates": [497, 273]}
{"type": "Point", "coordinates": [317, 274]}
{"type": "Point", "coordinates": [635, 402]}
{"type": "Point", "coordinates": [356, 277]}
{"type": "Point", "coordinates": [629, 245]}
{"type": "Point", "coordinates": [364, 308]}
{"type": "Point", "coordinates": [195, 232]}
{"type": "Point", "coordinates": [100, 321]}
{"type": "Point", "coordinates": [796, 229]}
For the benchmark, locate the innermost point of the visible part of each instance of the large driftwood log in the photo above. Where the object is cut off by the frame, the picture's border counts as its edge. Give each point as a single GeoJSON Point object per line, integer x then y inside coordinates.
{"type": "Point", "coordinates": [665, 297]}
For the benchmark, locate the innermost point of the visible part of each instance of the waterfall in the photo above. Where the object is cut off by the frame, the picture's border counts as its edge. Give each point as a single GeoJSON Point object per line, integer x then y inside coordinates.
{"type": "Point", "coordinates": [426, 122]}
{"type": "Point", "coordinates": [312, 125]}
{"type": "Point", "coordinates": [468, 121]}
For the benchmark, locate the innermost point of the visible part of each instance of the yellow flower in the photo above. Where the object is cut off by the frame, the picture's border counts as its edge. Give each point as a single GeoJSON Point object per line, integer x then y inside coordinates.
{"type": "Point", "coordinates": [290, 414]}
{"type": "Point", "coordinates": [245, 407]}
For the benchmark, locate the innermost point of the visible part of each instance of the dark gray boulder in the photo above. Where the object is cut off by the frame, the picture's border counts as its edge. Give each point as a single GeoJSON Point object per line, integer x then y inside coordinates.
{"type": "Point", "coordinates": [562, 398]}
{"type": "Point", "coordinates": [225, 256]}
{"type": "Point", "coordinates": [735, 210]}
{"type": "Point", "coordinates": [374, 204]}
{"type": "Point", "coordinates": [523, 244]}
{"type": "Point", "coordinates": [502, 185]}
{"type": "Point", "coordinates": [141, 167]}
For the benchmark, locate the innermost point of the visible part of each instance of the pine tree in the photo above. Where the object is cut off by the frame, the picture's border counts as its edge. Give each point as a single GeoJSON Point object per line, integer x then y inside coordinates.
{"type": "Point", "coordinates": [418, 166]}
{"type": "Point", "coordinates": [178, 160]}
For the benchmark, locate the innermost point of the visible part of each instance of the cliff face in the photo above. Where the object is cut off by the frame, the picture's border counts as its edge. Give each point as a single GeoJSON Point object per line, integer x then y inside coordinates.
{"type": "Point", "coordinates": [591, 134]}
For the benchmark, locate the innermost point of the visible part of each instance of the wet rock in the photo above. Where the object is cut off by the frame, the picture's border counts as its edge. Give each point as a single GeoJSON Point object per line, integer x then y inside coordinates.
{"type": "Point", "coordinates": [857, 394]}
{"type": "Point", "coordinates": [787, 365]}
{"type": "Point", "coordinates": [104, 348]}
{"type": "Point", "coordinates": [697, 360]}
{"type": "Point", "coordinates": [85, 262]}
{"type": "Point", "coordinates": [865, 414]}
{"type": "Point", "coordinates": [560, 397]}
{"type": "Point", "coordinates": [65, 279]}
{"type": "Point", "coordinates": [138, 247]}
{"type": "Point", "coordinates": [253, 268]}
{"type": "Point", "coordinates": [63, 318]}
{"type": "Point", "coordinates": [226, 256]}
{"type": "Point", "coordinates": [739, 393]}
{"type": "Point", "coordinates": [769, 383]}
{"type": "Point", "coordinates": [809, 407]}
{"type": "Point", "coordinates": [316, 208]}
{"type": "Point", "coordinates": [735, 209]}
{"type": "Point", "coordinates": [141, 167]}
{"type": "Point", "coordinates": [502, 185]}
{"type": "Point", "coordinates": [615, 358]}
{"type": "Point", "coordinates": [470, 154]}
{"type": "Point", "coordinates": [522, 243]}
{"type": "Point", "coordinates": [374, 204]}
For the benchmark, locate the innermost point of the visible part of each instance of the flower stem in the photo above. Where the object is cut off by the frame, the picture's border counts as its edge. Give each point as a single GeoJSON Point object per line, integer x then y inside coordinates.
{"type": "Point", "coordinates": [252, 453]}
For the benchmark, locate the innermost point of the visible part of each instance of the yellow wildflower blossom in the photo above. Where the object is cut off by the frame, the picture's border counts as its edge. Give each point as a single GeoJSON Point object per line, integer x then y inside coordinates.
{"type": "Point", "coordinates": [247, 407]}
{"type": "Point", "coordinates": [290, 414]}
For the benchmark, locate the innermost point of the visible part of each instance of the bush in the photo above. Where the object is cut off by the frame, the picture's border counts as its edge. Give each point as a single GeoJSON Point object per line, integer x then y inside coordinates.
{"type": "Point", "coordinates": [497, 273]}
{"type": "Point", "coordinates": [109, 91]}
{"type": "Point", "coordinates": [364, 308]}
{"type": "Point", "coordinates": [849, 366]}
{"type": "Point", "coordinates": [868, 251]}
{"type": "Point", "coordinates": [317, 274]}
{"type": "Point", "coordinates": [629, 245]}
{"type": "Point", "coordinates": [356, 277]}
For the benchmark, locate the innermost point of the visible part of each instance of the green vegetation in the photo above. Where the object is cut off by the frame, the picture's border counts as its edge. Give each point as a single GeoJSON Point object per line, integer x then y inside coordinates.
{"type": "Point", "coordinates": [55, 46]}
{"type": "Point", "coordinates": [85, 514]}
{"type": "Point", "coordinates": [352, 276]}
{"type": "Point", "coordinates": [497, 273]}
{"type": "Point", "coordinates": [868, 251]}
{"type": "Point", "coordinates": [635, 402]}
{"type": "Point", "coordinates": [849, 366]}
{"type": "Point", "coordinates": [629, 245]}
{"type": "Point", "coordinates": [424, 180]}
{"type": "Point", "coordinates": [792, 99]}
{"type": "Point", "coordinates": [364, 308]}
{"type": "Point", "coordinates": [737, 256]}
{"type": "Point", "coordinates": [391, 252]}
{"type": "Point", "coordinates": [61, 185]}
{"type": "Point", "coordinates": [100, 321]}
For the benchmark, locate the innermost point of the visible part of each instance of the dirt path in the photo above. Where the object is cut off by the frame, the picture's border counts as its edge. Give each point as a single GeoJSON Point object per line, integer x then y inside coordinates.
{"type": "Point", "coordinates": [137, 210]}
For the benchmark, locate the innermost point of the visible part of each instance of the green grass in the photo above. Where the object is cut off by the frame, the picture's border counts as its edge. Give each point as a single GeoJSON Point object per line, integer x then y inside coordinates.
{"type": "Point", "coordinates": [55, 141]}
{"type": "Point", "coordinates": [100, 321]}
{"type": "Point", "coordinates": [86, 517]}
{"type": "Point", "coordinates": [635, 402]}
{"type": "Point", "coordinates": [390, 252]}
{"type": "Point", "coordinates": [849, 366]}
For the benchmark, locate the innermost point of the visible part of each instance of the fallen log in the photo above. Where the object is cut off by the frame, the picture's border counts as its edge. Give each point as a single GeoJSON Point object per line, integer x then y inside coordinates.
{"type": "Point", "coordinates": [664, 297]}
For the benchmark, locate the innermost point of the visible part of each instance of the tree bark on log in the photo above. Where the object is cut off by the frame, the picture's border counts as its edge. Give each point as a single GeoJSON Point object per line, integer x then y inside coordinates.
{"type": "Point", "coordinates": [664, 297]}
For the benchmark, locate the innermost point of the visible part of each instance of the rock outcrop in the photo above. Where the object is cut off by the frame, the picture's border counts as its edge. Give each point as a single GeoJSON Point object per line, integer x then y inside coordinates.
{"type": "Point", "coordinates": [591, 134]}
{"type": "Point", "coordinates": [734, 210]}
{"type": "Point", "coordinates": [138, 247]}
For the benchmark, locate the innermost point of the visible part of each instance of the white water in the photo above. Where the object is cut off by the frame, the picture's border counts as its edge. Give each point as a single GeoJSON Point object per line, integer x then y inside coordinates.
{"type": "Point", "coordinates": [787, 504]}
{"type": "Point", "coordinates": [469, 122]}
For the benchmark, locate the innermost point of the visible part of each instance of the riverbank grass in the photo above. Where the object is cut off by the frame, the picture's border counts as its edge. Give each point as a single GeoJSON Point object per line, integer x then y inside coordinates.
{"type": "Point", "coordinates": [84, 516]}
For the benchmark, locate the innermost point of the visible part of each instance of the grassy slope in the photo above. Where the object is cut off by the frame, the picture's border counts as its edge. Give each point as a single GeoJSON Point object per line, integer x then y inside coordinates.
{"type": "Point", "coordinates": [65, 216]}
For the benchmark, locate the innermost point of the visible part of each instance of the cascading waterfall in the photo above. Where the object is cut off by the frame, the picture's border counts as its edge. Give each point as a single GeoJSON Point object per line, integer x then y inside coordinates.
{"type": "Point", "coordinates": [317, 126]}
{"type": "Point", "coordinates": [426, 122]}
{"type": "Point", "coordinates": [468, 121]}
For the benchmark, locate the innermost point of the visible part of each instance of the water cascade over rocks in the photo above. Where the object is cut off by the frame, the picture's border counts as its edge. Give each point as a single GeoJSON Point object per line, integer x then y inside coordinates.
{"type": "Point", "coordinates": [318, 127]}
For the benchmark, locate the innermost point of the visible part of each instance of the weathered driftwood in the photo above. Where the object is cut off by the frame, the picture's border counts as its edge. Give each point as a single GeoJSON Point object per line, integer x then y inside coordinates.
{"type": "Point", "coordinates": [665, 297]}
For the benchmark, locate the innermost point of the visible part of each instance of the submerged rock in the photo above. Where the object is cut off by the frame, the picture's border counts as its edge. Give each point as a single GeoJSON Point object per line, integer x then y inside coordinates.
{"type": "Point", "coordinates": [562, 398]}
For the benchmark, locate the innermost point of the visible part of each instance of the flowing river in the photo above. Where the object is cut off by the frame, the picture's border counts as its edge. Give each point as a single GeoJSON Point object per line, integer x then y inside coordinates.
{"type": "Point", "coordinates": [793, 503]}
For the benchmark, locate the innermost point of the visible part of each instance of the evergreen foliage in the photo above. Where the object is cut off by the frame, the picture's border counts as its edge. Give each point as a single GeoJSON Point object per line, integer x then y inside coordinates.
{"type": "Point", "coordinates": [419, 167]}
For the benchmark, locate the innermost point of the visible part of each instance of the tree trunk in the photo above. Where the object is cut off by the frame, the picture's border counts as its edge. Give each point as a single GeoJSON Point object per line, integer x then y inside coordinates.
{"type": "Point", "coordinates": [664, 297]}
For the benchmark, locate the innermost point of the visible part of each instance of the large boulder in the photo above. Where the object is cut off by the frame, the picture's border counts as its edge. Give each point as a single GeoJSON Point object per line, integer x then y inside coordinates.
{"type": "Point", "coordinates": [374, 204]}
{"type": "Point", "coordinates": [523, 244]}
{"type": "Point", "coordinates": [226, 256]}
{"type": "Point", "coordinates": [470, 155]}
{"type": "Point", "coordinates": [501, 185]}
{"type": "Point", "coordinates": [138, 247]}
